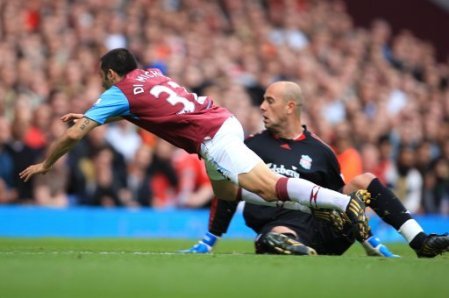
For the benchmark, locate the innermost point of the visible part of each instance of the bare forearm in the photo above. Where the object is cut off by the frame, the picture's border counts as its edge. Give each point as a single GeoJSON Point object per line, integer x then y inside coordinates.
{"type": "Point", "coordinates": [71, 137]}
{"type": "Point", "coordinates": [58, 149]}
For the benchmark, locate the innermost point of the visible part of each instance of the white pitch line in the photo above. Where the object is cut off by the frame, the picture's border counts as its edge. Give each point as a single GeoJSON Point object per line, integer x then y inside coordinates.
{"type": "Point", "coordinates": [87, 252]}
{"type": "Point", "coordinates": [70, 252]}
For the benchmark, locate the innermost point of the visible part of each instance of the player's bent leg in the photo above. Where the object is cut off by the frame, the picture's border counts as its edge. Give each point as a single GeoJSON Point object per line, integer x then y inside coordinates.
{"type": "Point", "coordinates": [361, 181]}
{"type": "Point", "coordinates": [227, 158]}
{"type": "Point", "coordinates": [390, 208]}
{"type": "Point", "coordinates": [354, 207]}
{"type": "Point", "coordinates": [255, 199]}
{"type": "Point", "coordinates": [281, 244]}
{"type": "Point", "coordinates": [268, 185]}
{"type": "Point", "coordinates": [260, 180]}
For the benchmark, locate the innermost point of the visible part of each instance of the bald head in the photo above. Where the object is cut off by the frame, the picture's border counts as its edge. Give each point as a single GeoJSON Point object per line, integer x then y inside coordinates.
{"type": "Point", "coordinates": [281, 109]}
{"type": "Point", "coordinates": [288, 90]}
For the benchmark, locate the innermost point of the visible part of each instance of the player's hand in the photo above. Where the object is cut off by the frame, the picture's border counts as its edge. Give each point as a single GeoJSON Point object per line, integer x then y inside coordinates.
{"type": "Point", "coordinates": [203, 246]}
{"type": "Point", "coordinates": [71, 116]}
{"type": "Point", "coordinates": [29, 172]}
{"type": "Point", "coordinates": [375, 248]}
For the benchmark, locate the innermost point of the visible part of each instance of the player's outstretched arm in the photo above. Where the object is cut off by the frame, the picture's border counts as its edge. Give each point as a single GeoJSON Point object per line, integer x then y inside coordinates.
{"type": "Point", "coordinates": [60, 147]}
{"type": "Point", "coordinates": [75, 117]}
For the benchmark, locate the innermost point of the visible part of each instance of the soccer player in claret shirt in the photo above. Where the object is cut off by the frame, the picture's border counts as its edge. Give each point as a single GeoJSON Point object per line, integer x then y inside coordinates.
{"type": "Point", "coordinates": [288, 148]}
{"type": "Point", "coordinates": [156, 103]}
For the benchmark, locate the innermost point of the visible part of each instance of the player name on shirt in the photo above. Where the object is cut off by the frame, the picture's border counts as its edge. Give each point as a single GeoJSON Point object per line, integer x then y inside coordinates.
{"type": "Point", "coordinates": [143, 77]}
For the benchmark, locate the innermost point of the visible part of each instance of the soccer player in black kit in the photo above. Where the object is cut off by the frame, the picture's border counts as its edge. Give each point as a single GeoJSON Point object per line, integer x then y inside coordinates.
{"type": "Point", "coordinates": [289, 149]}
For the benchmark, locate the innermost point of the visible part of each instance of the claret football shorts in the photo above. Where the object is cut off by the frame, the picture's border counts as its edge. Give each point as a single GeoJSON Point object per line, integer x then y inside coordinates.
{"type": "Point", "coordinates": [226, 155]}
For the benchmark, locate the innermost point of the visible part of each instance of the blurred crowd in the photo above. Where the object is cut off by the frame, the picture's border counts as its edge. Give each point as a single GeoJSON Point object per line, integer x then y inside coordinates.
{"type": "Point", "coordinates": [381, 100]}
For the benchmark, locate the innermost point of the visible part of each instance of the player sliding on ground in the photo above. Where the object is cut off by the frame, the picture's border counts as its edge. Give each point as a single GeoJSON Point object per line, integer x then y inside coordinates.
{"type": "Point", "coordinates": [157, 104]}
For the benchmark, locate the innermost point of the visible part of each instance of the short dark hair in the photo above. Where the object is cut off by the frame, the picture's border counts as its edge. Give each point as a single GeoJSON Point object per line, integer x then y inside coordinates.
{"type": "Point", "coordinates": [120, 60]}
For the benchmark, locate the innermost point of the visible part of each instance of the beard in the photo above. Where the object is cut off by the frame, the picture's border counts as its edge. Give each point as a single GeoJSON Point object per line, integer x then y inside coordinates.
{"type": "Point", "coordinates": [106, 84]}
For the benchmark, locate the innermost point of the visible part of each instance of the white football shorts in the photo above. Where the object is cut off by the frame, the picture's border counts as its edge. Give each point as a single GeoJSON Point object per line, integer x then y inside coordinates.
{"type": "Point", "coordinates": [226, 155]}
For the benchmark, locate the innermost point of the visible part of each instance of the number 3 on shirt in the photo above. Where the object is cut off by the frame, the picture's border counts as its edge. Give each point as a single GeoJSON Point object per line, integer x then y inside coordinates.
{"type": "Point", "coordinates": [174, 98]}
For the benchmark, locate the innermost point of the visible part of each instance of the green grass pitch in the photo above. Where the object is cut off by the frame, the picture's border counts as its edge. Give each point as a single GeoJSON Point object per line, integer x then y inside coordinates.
{"type": "Point", "coordinates": [152, 268]}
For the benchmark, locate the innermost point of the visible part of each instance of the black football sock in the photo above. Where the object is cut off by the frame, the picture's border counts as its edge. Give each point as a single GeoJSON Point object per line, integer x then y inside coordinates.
{"type": "Point", "coordinates": [385, 203]}
{"type": "Point", "coordinates": [418, 241]}
{"type": "Point", "coordinates": [220, 216]}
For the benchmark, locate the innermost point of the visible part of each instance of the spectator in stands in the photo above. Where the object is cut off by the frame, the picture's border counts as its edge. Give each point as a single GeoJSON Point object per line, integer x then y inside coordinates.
{"type": "Point", "coordinates": [81, 164]}
{"type": "Point", "coordinates": [36, 136]}
{"type": "Point", "coordinates": [436, 188]}
{"type": "Point", "coordinates": [139, 188]}
{"type": "Point", "coordinates": [348, 157]}
{"type": "Point", "coordinates": [195, 189]}
{"type": "Point", "coordinates": [102, 189]}
{"type": "Point", "coordinates": [7, 178]}
{"type": "Point", "coordinates": [385, 156]}
{"type": "Point", "coordinates": [405, 179]}
{"type": "Point", "coordinates": [124, 138]}
{"type": "Point", "coordinates": [22, 154]}
{"type": "Point", "coordinates": [164, 179]}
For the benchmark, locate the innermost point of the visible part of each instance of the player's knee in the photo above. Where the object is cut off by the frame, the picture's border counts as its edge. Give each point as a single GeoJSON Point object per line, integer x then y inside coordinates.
{"type": "Point", "coordinates": [284, 230]}
{"type": "Point", "coordinates": [362, 181]}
